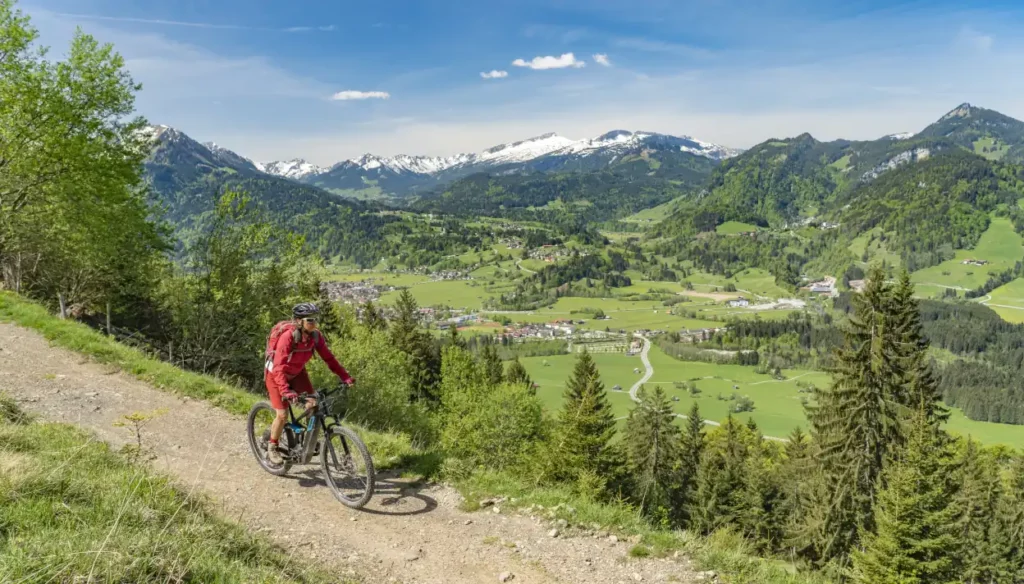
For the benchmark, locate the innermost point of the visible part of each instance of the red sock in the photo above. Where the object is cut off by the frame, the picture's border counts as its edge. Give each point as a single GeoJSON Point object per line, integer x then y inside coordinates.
{"type": "Point", "coordinates": [274, 442]}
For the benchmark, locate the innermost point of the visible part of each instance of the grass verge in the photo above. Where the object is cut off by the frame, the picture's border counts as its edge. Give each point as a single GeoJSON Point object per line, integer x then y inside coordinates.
{"type": "Point", "coordinates": [725, 552]}
{"type": "Point", "coordinates": [71, 510]}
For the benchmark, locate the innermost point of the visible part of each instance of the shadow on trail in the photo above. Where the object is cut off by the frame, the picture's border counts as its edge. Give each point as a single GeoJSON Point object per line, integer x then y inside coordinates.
{"type": "Point", "coordinates": [390, 497]}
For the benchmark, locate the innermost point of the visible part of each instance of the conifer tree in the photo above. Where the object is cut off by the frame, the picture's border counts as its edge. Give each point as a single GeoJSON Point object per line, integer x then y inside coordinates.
{"type": "Point", "coordinates": [914, 539]}
{"type": "Point", "coordinates": [494, 370]}
{"type": "Point", "coordinates": [920, 385]}
{"type": "Point", "coordinates": [1012, 514]}
{"type": "Point", "coordinates": [977, 506]}
{"type": "Point", "coordinates": [454, 339]}
{"type": "Point", "coordinates": [424, 363]}
{"type": "Point", "coordinates": [586, 424]}
{"type": "Point", "coordinates": [372, 318]}
{"type": "Point", "coordinates": [858, 422]}
{"type": "Point", "coordinates": [720, 480]}
{"type": "Point", "coordinates": [691, 446]}
{"type": "Point", "coordinates": [330, 320]}
{"type": "Point", "coordinates": [516, 373]}
{"type": "Point", "coordinates": [653, 453]}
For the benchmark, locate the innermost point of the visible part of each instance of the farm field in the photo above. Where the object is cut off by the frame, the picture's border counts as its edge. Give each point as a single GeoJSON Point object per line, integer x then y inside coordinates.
{"type": "Point", "coordinates": [1000, 245]}
{"type": "Point", "coordinates": [467, 294]}
{"type": "Point", "coordinates": [386, 278]}
{"type": "Point", "coordinates": [777, 406]}
{"type": "Point", "coordinates": [624, 314]}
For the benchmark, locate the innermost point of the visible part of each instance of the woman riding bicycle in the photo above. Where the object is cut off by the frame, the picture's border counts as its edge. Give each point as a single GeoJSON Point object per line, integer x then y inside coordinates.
{"type": "Point", "coordinates": [289, 347]}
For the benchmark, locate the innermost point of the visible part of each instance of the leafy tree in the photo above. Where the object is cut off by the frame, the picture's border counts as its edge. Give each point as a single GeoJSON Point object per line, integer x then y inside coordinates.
{"type": "Point", "coordinates": [65, 127]}
{"type": "Point", "coordinates": [330, 320]}
{"type": "Point", "coordinates": [241, 272]}
{"type": "Point", "coordinates": [654, 454]}
{"type": "Point", "coordinates": [914, 539]}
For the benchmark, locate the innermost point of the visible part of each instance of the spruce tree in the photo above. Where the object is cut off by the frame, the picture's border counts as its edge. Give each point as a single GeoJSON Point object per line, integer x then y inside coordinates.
{"type": "Point", "coordinates": [920, 385]}
{"type": "Point", "coordinates": [516, 373]}
{"type": "Point", "coordinates": [692, 446]}
{"type": "Point", "coordinates": [977, 506]}
{"type": "Point", "coordinates": [1012, 514]}
{"type": "Point", "coordinates": [914, 539]}
{"type": "Point", "coordinates": [586, 424]}
{"type": "Point", "coordinates": [372, 317]}
{"type": "Point", "coordinates": [424, 361]}
{"type": "Point", "coordinates": [654, 454]}
{"type": "Point", "coordinates": [858, 421]}
{"type": "Point", "coordinates": [491, 363]}
{"type": "Point", "coordinates": [330, 320]}
{"type": "Point", "coordinates": [454, 339]}
{"type": "Point", "coordinates": [717, 501]}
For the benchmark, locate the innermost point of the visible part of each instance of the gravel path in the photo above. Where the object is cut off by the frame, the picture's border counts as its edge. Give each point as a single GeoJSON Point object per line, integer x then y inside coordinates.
{"type": "Point", "coordinates": [408, 533]}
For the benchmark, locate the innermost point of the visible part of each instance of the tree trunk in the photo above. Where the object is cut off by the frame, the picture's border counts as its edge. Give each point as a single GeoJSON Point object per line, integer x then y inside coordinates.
{"type": "Point", "coordinates": [63, 305]}
{"type": "Point", "coordinates": [110, 331]}
{"type": "Point", "coordinates": [170, 352]}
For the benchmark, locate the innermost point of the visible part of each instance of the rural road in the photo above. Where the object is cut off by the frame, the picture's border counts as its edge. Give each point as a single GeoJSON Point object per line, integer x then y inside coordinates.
{"type": "Point", "coordinates": [650, 373]}
{"type": "Point", "coordinates": [527, 270]}
{"type": "Point", "coordinates": [410, 533]}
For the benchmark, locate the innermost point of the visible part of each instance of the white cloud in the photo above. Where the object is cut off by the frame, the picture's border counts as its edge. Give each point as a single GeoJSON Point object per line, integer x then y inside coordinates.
{"type": "Point", "coordinates": [602, 59]}
{"type": "Point", "coordinates": [566, 60]}
{"type": "Point", "coordinates": [975, 40]}
{"type": "Point", "coordinates": [350, 94]}
{"type": "Point", "coordinates": [495, 74]}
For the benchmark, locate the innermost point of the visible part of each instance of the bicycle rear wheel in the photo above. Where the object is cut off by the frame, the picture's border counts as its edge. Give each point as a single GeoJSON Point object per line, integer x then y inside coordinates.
{"type": "Point", "coordinates": [347, 466]}
{"type": "Point", "coordinates": [261, 416]}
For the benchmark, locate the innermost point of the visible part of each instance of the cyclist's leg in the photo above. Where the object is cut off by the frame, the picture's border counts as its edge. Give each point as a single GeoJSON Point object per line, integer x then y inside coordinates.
{"type": "Point", "coordinates": [302, 385]}
{"type": "Point", "coordinates": [280, 409]}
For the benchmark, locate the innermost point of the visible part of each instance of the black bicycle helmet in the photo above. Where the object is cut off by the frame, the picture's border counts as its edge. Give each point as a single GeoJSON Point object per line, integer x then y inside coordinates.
{"type": "Point", "coordinates": [305, 310]}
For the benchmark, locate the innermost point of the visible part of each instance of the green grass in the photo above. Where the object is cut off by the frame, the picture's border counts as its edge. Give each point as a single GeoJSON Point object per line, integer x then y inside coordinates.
{"type": "Point", "coordinates": [384, 278]}
{"type": "Point", "coordinates": [988, 142]}
{"type": "Point", "coordinates": [1008, 301]}
{"type": "Point", "coordinates": [76, 511]}
{"type": "Point", "coordinates": [656, 214]}
{"type": "Point", "coordinates": [1000, 245]}
{"type": "Point", "coordinates": [841, 164]}
{"type": "Point", "coordinates": [468, 294]}
{"type": "Point", "coordinates": [624, 314]}
{"type": "Point", "coordinates": [734, 227]}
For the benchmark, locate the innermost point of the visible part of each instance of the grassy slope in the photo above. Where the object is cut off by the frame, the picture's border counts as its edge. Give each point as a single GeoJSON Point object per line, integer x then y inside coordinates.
{"type": "Point", "coordinates": [1000, 245]}
{"type": "Point", "coordinates": [1008, 301]}
{"type": "Point", "coordinates": [73, 510]}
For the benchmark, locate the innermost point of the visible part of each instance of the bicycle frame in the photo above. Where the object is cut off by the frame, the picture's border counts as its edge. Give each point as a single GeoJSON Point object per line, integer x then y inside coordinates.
{"type": "Point", "coordinates": [310, 434]}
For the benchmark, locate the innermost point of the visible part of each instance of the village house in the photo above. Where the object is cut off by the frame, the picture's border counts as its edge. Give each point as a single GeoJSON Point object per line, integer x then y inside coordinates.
{"type": "Point", "coordinates": [973, 262]}
{"type": "Point", "coordinates": [740, 302]}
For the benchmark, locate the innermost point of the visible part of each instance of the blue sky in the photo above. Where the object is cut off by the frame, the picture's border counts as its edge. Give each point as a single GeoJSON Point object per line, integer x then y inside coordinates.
{"type": "Point", "coordinates": [266, 78]}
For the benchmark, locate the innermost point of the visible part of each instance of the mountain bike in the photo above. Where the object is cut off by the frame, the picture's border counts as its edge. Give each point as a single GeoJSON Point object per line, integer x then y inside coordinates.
{"type": "Point", "coordinates": [344, 459]}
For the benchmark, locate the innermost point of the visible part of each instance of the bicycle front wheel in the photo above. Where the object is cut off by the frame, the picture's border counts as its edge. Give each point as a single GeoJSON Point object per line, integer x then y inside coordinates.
{"type": "Point", "coordinates": [347, 466]}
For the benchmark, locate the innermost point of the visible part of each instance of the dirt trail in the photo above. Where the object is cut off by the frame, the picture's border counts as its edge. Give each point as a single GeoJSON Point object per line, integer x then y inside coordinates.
{"type": "Point", "coordinates": [408, 533]}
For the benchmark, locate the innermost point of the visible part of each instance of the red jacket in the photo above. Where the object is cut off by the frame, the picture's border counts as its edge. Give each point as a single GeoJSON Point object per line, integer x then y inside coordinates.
{"type": "Point", "coordinates": [285, 368]}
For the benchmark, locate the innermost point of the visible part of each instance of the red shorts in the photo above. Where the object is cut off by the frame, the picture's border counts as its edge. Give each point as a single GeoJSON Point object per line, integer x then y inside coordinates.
{"type": "Point", "coordinates": [299, 384]}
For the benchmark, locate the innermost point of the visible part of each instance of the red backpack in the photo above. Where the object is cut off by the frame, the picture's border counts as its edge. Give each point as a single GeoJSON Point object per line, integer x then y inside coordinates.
{"type": "Point", "coordinates": [286, 327]}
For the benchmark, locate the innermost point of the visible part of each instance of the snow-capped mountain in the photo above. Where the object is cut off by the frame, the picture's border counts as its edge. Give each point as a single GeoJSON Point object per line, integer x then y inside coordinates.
{"type": "Point", "coordinates": [404, 174]}
{"type": "Point", "coordinates": [296, 168]}
{"type": "Point", "coordinates": [901, 136]}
